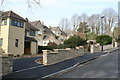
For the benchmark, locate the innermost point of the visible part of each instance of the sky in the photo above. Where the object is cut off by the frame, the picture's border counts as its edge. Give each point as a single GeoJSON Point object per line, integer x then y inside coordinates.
{"type": "Point", "coordinates": [52, 11]}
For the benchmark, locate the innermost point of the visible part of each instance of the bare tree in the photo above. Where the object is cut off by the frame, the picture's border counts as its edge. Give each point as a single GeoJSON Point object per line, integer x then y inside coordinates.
{"type": "Point", "coordinates": [30, 3]}
{"type": "Point", "coordinates": [94, 22]}
{"type": "Point", "coordinates": [75, 20]}
{"type": "Point", "coordinates": [84, 17]}
{"type": "Point", "coordinates": [64, 24]}
{"type": "Point", "coordinates": [110, 19]}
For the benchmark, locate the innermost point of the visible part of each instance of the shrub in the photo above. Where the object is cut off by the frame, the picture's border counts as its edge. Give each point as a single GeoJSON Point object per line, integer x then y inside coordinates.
{"type": "Point", "coordinates": [74, 41]}
{"type": "Point", "coordinates": [104, 39]}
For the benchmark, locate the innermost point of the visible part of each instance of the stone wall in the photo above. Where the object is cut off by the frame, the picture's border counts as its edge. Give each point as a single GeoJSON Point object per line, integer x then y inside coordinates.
{"type": "Point", "coordinates": [94, 48]}
{"type": "Point", "coordinates": [58, 55]}
{"type": "Point", "coordinates": [7, 63]}
{"type": "Point", "coordinates": [105, 47]}
{"type": "Point", "coordinates": [0, 66]}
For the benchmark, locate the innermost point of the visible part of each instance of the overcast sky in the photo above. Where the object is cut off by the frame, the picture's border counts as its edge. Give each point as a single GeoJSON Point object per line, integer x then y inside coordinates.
{"type": "Point", "coordinates": [52, 11]}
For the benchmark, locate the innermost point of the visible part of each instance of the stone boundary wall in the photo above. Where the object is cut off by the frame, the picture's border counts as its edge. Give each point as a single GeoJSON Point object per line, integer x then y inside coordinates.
{"type": "Point", "coordinates": [7, 63]}
{"type": "Point", "coordinates": [95, 48]}
{"type": "Point", "coordinates": [105, 47]}
{"type": "Point", "coordinates": [0, 66]}
{"type": "Point", "coordinates": [58, 55]}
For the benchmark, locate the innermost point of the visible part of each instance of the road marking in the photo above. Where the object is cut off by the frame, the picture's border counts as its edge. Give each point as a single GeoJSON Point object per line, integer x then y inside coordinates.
{"type": "Point", "coordinates": [29, 69]}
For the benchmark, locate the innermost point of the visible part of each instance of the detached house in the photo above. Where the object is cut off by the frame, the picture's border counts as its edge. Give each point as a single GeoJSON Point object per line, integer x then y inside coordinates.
{"type": "Point", "coordinates": [17, 35]}
{"type": "Point", "coordinates": [12, 30]}
{"type": "Point", "coordinates": [45, 35]}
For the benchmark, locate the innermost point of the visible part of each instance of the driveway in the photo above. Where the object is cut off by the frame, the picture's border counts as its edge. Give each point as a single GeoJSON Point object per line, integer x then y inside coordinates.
{"type": "Point", "coordinates": [24, 63]}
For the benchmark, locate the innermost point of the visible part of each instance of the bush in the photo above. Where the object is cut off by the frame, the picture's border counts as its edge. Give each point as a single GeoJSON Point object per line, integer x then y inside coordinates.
{"type": "Point", "coordinates": [75, 41]}
{"type": "Point", "coordinates": [63, 46]}
{"type": "Point", "coordinates": [104, 39]}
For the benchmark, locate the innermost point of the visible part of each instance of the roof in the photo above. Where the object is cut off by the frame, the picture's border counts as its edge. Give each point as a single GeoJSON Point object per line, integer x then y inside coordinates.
{"type": "Point", "coordinates": [63, 33]}
{"type": "Point", "coordinates": [34, 22]}
{"type": "Point", "coordinates": [11, 14]}
{"type": "Point", "coordinates": [47, 30]}
{"type": "Point", "coordinates": [29, 39]}
{"type": "Point", "coordinates": [55, 28]}
{"type": "Point", "coordinates": [59, 30]}
{"type": "Point", "coordinates": [70, 32]}
{"type": "Point", "coordinates": [30, 27]}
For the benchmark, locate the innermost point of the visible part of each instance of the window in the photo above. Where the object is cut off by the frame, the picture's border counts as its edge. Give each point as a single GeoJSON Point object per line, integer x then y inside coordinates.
{"type": "Point", "coordinates": [1, 41]}
{"type": "Point", "coordinates": [44, 36]}
{"type": "Point", "coordinates": [32, 33]}
{"type": "Point", "coordinates": [4, 21]}
{"type": "Point", "coordinates": [17, 23]}
{"type": "Point", "coordinates": [22, 24]}
{"type": "Point", "coordinates": [16, 43]}
{"type": "Point", "coordinates": [40, 31]}
{"type": "Point", "coordinates": [44, 42]}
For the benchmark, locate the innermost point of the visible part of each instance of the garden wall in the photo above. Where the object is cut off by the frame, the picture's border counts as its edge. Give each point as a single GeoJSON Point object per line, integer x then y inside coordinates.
{"type": "Point", "coordinates": [58, 55]}
{"type": "Point", "coordinates": [7, 63]}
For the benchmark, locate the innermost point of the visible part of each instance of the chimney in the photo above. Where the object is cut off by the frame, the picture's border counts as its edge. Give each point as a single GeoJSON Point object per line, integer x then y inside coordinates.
{"type": "Point", "coordinates": [26, 19]}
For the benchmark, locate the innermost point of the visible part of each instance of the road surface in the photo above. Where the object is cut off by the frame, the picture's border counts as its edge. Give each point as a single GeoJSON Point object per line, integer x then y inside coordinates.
{"type": "Point", "coordinates": [103, 67]}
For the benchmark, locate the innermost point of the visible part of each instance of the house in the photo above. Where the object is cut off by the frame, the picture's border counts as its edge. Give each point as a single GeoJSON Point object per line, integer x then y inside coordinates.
{"type": "Point", "coordinates": [61, 35]}
{"type": "Point", "coordinates": [12, 31]}
{"type": "Point", "coordinates": [73, 32]}
{"type": "Point", "coordinates": [31, 43]}
{"type": "Point", "coordinates": [45, 35]}
{"type": "Point", "coordinates": [70, 33]}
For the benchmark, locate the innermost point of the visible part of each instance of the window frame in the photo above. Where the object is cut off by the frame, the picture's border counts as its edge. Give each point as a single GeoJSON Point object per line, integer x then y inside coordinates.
{"type": "Point", "coordinates": [32, 33]}
{"type": "Point", "coordinates": [16, 42]}
{"type": "Point", "coordinates": [17, 23]}
{"type": "Point", "coordinates": [4, 22]}
{"type": "Point", "coordinates": [1, 41]}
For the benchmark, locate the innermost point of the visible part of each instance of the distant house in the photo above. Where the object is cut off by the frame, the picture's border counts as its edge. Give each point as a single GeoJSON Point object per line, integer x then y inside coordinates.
{"type": "Point", "coordinates": [31, 43]}
{"type": "Point", "coordinates": [45, 35]}
{"type": "Point", "coordinates": [12, 30]}
{"type": "Point", "coordinates": [59, 33]}
{"type": "Point", "coordinates": [73, 32]}
{"type": "Point", "coordinates": [70, 33]}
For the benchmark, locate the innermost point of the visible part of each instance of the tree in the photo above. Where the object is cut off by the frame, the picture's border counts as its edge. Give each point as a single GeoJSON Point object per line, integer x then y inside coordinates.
{"type": "Point", "coordinates": [110, 19]}
{"type": "Point", "coordinates": [30, 3]}
{"type": "Point", "coordinates": [91, 36]}
{"type": "Point", "coordinates": [116, 33]}
{"type": "Point", "coordinates": [75, 40]}
{"type": "Point", "coordinates": [64, 24]}
{"type": "Point", "coordinates": [83, 27]}
{"type": "Point", "coordinates": [94, 23]}
{"type": "Point", "coordinates": [84, 17]}
{"type": "Point", "coordinates": [104, 39]}
{"type": "Point", "coordinates": [75, 20]}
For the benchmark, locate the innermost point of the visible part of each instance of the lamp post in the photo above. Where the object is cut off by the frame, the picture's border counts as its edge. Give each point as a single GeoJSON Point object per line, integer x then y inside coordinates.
{"type": "Point", "coordinates": [102, 31]}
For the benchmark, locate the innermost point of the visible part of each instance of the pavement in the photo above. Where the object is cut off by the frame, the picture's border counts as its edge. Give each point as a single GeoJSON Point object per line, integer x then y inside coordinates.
{"type": "Point", "coordinates": [39, 72]}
